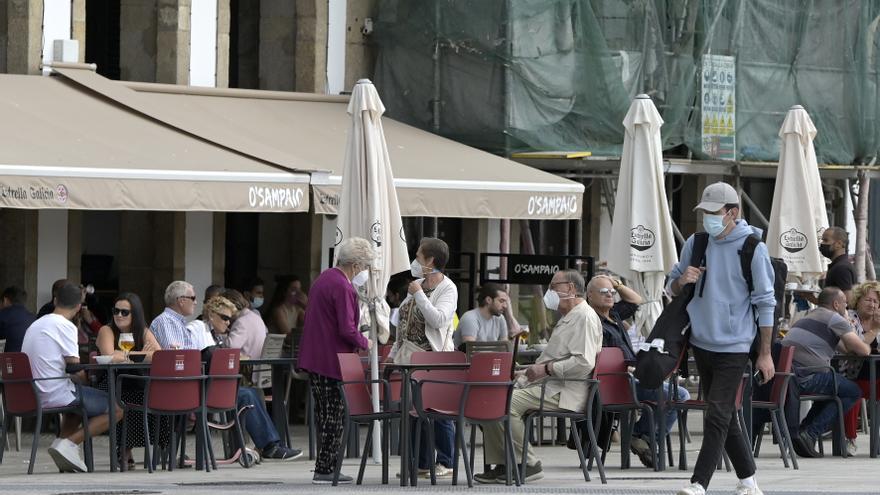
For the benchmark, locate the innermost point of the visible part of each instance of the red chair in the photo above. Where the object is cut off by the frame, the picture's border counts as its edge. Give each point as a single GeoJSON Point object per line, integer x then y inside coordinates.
{"type": "Point", "coordinates": [174, 387]}
{"type": "Point", "coordinates": [776, 407]}
{"type": "Point", "coordinates": [21, 399]}
{"type": "Point", "coordinates": [222, 398]}
{"type": "Point", "coordinates": [358, 404]}
{"type": "Point", "coordinates": [483, 397]}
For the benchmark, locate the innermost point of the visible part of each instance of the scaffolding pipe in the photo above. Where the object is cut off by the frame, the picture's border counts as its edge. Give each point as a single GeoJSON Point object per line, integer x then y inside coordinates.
{"type": "Point", "coordinates": [755, 209]}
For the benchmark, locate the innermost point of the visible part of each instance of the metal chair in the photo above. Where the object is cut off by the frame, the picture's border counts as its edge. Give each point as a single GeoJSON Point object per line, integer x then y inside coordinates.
{"type": "Point", "coordinates": [222, 398]}
{"type": "Point", "coordinates": [776, 407]}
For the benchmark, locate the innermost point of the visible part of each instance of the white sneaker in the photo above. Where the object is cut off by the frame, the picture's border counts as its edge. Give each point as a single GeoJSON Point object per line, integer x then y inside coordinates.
{"type": "Point", "coordinates": [851, 448]}
{"type": "Point", "coordinates": [66, 456]}
{"type": "Point", "coordinates": [747, 490]}
{"type": "Point", "coordinates": [693, 489]}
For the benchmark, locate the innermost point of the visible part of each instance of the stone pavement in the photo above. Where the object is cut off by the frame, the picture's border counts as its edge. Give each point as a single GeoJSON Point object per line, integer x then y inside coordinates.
{"type": "Point", "coordinates": [562, 475]}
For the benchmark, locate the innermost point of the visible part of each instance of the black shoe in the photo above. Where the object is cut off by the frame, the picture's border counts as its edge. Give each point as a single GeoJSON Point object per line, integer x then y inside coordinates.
{"type": "Point", "coordinates": [279, 452]}
{"type": "Point", "coordinates": [640, 447]}
{"type": "Point", "coordinates": [533, 473]}
{"type": "Point", "coordinates": [806, 445]}
{"type": "Point", "coordinates": [491, 475]}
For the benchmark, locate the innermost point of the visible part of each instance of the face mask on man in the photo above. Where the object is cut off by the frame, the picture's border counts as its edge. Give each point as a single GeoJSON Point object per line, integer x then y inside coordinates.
{"type": "Point", "coordinates": [826, 250]}
{"type": "Point", "coordinates": [713, 224]}
{"type": "Point", "coordinates": [361, 278]}
{"type": "Point", "coordinates": [552, 298]}
{"type": "Point", "coordinates": [257, 302]}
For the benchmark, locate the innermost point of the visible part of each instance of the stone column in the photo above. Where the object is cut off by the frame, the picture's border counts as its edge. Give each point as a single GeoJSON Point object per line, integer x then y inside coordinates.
{"type": "Point", "coordinates": [18, 251]}
{"type": "Point", "coordinates": [4, 26]}
{"type": "Point", "coordinates": [172, 41]}
{"type": "Point", "coordinates": [311, 45]}
{"type": "Point", "coordinates": [78, 26]}
{"type": "Point", "coordinates": [278, 23]}
{"type": "Point", "coordinates": [360, 53]}
{"type": "Point", "coordinates": [223, 20]}
{"type": "Point", "coordinates": [137, 42]}
{"type": "Point", "coordinates": [24, 36]}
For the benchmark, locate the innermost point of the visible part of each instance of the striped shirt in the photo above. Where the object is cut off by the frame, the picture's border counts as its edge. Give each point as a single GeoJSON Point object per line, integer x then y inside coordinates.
{"type": "Point", "coordinates": [172, 333]}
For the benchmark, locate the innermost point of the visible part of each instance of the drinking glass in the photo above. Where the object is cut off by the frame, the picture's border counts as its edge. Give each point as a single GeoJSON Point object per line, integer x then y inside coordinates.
{"type": "Point", "coordinates": [126, 343]}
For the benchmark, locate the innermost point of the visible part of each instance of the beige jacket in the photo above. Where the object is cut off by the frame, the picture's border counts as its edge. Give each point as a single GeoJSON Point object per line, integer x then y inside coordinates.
{"type": "Point", "coordinates": [573, 346]}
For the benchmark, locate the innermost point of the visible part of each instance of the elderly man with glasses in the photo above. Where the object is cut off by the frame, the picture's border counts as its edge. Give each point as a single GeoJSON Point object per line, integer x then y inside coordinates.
{"type": "Point", "coordinates": [602, 292]}
{"type": "Point", "coordinates": [170, 326]}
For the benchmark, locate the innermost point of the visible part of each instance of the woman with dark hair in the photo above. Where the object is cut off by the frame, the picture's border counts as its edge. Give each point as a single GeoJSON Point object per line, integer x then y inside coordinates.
{"type": "Point", "coordinates": [288, 306]}
{"type": "Point", "coordinates": [128, 317]}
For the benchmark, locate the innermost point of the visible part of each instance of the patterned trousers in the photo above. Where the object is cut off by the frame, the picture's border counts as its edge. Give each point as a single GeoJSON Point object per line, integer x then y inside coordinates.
{"type": "Point", "coordinates": [330, 414]}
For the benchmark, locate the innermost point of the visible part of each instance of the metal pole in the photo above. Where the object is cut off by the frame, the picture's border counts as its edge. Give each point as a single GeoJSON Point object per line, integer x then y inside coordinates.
{"type": "Point", "coordinates": [374, 369]}
{"type": "Point", "coordinates": [755, 211]}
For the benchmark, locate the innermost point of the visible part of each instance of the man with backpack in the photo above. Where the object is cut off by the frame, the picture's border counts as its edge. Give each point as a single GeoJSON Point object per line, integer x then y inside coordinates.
{"type": "Point", "coordinates": [722, 316]}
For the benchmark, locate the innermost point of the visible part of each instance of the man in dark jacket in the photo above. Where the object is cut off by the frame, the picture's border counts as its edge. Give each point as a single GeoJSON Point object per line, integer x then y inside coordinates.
{"type": "Point", "coordinates": [14, 318]}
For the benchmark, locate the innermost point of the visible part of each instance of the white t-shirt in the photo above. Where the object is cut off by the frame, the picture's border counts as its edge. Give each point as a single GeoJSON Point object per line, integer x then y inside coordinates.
{"type": "Point", "coordinates": [47, 342]}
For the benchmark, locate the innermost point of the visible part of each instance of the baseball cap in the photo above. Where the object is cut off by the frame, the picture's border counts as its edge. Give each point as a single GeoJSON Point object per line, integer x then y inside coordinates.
{"type": "Point", "coordinates": [716, 195]}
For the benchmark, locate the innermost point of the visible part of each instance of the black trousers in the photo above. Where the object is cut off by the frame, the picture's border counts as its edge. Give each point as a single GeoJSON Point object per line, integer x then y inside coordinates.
{"type": "Point", "coordinates": [720, 377]}
{"type": "Point", "coordinates": [330, 415]}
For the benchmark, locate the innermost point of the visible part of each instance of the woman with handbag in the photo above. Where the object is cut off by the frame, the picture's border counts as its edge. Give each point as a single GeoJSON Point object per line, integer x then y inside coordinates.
{"type": "Point", "coordinates": [426, 323]}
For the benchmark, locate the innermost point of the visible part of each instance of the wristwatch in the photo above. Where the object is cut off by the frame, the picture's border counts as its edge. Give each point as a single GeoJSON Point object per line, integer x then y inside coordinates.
{"type": "Point", "coordinates": [547, 369]}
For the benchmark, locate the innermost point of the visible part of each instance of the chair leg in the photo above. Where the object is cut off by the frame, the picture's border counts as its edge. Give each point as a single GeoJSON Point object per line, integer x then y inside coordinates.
{"type": "Point", "coordinates": [4, 438]}
{"type": "Point", "coordinates": [368, 447]}
{"type": "Point", "coordinates": [239, 435]}
{"type": "Point", "coordinates": [36, 443]}
{"type": "Point", "coordinates": [473, 445]}
{"type": "Point", "coordinates": [580, 450]}
{"type": "Point", "coordinates": [594, 446]}
{"type": "Point", "coordinates": [386, 447]}
{"type": "Point", "coordinates": [759, 437]}
{"type": "Point", "coordinates": [842, 429]}
{"type": "Point", "coordinates": [346, 430]}
{"type": "Point", "coordinates": [459, 434]}
{"type": "Point", "coordinates": [528, 419]}
{"type": "Point", "coordinates": [416, 452]}
{"type": "Point", "coordinates": [18, 433]}
{"type": "Point", "coordinates": [777, 435]}
{"type": "Point", "coordinates": [682, 451]}
{"type": "Point", "coordinates": [511, 463]}
{"type": "Point", "coordinates": [783, 425]}
{"type": "Point", "coordinates": [432, 450]}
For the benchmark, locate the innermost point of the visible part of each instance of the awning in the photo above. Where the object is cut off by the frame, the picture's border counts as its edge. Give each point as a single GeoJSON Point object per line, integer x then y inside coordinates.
{"type": "Point", "coordinates": [434, 176]}
{"type": "Point", "coordinates": [65, 146]}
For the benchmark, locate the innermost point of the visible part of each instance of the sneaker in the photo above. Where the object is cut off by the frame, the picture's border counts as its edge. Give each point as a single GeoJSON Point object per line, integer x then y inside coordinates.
{"type": "Point", "coordinates": [851, 448]}
{"type": "Point", "coordinates": [327, 479]}
{"type": "Point", "coordinates": [279, 452]}
{"type": "Point", "coordinates": [692, 489]}
{"type": "Point", "coordinates": [440, 471]}
{"type": "Point", "coordinates": [491, 475]}
{"type": "Point", "coordinates": [641, 448]}
{"type": "Point", "coordinates": [806, 444]}
{"type": "Point", "coordinates": [742, 489]}
{"type": "Point", "coordinates": [66, 456]}
{"type": "Point", "coordinates": [533, 473]}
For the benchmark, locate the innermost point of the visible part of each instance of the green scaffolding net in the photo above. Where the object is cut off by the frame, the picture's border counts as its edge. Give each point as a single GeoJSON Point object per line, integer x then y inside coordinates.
{"type": "Point", "coordinates": [534, 75]}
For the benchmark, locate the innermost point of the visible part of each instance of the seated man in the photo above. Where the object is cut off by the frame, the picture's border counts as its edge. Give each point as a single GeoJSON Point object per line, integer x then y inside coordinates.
{"type": "Point", "coordinates": [570, 354]}
{"type": "Point", "coordinates": [486, 322]}
{"type": "Point", "coordinates": [170, 330]}
{"type": "Point", "coordinates": [51, 344]}
{"type": "Point", "coordinates": [815, 338]}
{"type": "Point", "coordinates": [600, 294]}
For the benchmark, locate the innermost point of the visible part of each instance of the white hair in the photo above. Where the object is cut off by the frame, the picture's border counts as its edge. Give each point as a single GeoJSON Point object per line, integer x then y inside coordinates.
{"type": "Point", "coordinates": [355, 251]}
{"type": "Point", "coordinates": [175, 291]}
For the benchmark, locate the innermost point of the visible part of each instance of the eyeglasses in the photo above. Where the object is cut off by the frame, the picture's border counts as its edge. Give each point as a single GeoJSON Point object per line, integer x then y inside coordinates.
{"type": "Point", "coordinates": [191, 298]}
{"type": "Point", "coordinates": [225, 318]}
{"type": "Point", "coordinates": [606, 290]}
{"type": "Point", "coordinates": [120, 312]}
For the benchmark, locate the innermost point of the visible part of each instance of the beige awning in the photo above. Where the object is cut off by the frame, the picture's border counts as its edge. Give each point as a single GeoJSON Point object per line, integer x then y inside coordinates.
{"type": "Point", "coordinates": [65, 146]}
{"type": "Point", "coordinates": [434, 176]}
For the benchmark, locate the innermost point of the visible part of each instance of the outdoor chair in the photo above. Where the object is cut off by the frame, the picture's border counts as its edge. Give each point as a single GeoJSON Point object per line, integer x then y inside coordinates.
{"type": "Point", "coordinates": [174, 387]}
{"type": "Point", "coordinates": [776, 407]}
{"type": "Point", "coordinates": [21, 399]}
{"type": "Point", "coordinates": [221, 398]}
{"type": "Point", "coordinates": [357, 400]}
{"type": "Point", "coordinates": [481, 398]}
{"type": "Point", "coordinates": [496, 346]}
{"type": "Point", "coordinates": [839, 429]}
{"type": "Point", "coordinates": [17, 419]}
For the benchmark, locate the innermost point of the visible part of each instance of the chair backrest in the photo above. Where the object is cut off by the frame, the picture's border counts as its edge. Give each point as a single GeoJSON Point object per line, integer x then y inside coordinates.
{"type": "Point", "coordinates": [494, 346]}
{"type": "Point", "coordinates": [784, 365]}
{"type": "Point", "coordinates": [488, 402]}
{"type": "Point", "coordinates": [614, 389]}
{"type": "Point", "coordinates": [437, 395]}
{"type": "Point", "coordinates": [19, 398]}
{"type": "Point", "coordinates": [222, 392]}
{"type": "Point", "coordinates": [179, 395]}
{"type": "Point", "coordinates": [357, 395]}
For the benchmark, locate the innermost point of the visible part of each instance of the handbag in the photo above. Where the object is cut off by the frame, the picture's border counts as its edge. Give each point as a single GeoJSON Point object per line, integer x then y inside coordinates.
{"type": "Point", "coordinates": [405, 351]}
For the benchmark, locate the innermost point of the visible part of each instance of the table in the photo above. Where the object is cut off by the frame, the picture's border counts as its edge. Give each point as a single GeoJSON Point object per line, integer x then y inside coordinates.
{"type": "Point", "coordinates": [111, 369]}
{"type": "Point", "coordinates": [406, 404]}
{"type": "Point", "coordinates": [874, 431]}
{"type": "Point", "coordinates": [280, 367]}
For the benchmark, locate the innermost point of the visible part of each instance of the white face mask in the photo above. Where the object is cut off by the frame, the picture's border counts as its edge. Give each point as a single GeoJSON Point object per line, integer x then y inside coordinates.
{"type": "Point", "coordinates": [551, 300]}
{"type": "Point", "coordinates": [416, 269]}
{"type": "Point", "coordinates": [361, 278]}
{"type": "Point", "coordinates": [258, 301]}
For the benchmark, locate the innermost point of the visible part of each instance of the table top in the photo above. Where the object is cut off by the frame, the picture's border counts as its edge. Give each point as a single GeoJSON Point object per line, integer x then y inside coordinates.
{"type": "Point", "coordinates": [277, 360]}
{"type": "Point", "coordinates": [116, 366]}
{"type": "Point", "coordinates": [428, 366]}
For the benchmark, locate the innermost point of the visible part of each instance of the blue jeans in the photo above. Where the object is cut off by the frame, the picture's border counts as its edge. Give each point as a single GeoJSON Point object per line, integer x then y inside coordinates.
{"type": "Point", "coordinates": [257, 421]}
{"type": "Point", "coordinates": [822, 414]}
{"type": "Point", "coordinates": [444, 441]}
{"type": "Point", "coordinates": [96, 402]}
{"type": "Point", "coordinates": [641, 427]}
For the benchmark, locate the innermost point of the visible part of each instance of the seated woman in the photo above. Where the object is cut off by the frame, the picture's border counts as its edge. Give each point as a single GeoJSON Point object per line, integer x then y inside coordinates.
{"type": "Point", "coordinates": [865, 319]}
{"type": "Point", "coordinates": [128, 317]}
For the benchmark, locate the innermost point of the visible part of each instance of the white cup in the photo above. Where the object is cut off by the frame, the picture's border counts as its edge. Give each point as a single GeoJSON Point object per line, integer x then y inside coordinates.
{"type": "Point", "coordinates": [791, 286]}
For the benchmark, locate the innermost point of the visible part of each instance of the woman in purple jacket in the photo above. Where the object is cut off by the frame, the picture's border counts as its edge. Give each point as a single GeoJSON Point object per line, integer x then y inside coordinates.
{"type": "Point", "coordinates": [331, 327]}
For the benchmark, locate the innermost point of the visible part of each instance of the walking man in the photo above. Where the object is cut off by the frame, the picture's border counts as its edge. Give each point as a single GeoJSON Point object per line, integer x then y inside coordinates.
{"type": "Point", "coordinates": [721, 345]}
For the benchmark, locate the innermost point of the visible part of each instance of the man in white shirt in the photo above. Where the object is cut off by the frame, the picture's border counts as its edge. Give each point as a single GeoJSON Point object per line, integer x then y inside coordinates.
{"type": "Point", "coordinates": [51, 344]}
{"type": "Point", "coordinates": [485, 323]}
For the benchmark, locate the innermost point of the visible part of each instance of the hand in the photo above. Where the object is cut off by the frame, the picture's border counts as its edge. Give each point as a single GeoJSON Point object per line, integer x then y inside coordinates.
{"type": "Point", "coordinates": [536, 372]}
{"type": "Point", "coordinates": [414, 287]}
{"type": "Point", "coordinates": [765, 366]}
{"type": "Point", "coordinates": [690, 275]}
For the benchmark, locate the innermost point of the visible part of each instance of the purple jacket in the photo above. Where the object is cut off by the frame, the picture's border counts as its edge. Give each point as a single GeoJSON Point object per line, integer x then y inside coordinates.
{"type": "Point", "coordinates": [331, 324]}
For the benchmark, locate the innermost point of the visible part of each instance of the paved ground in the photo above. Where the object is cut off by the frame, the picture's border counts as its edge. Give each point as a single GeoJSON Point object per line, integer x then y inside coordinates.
{"type": "Point", "coordinates": [562, 475]}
